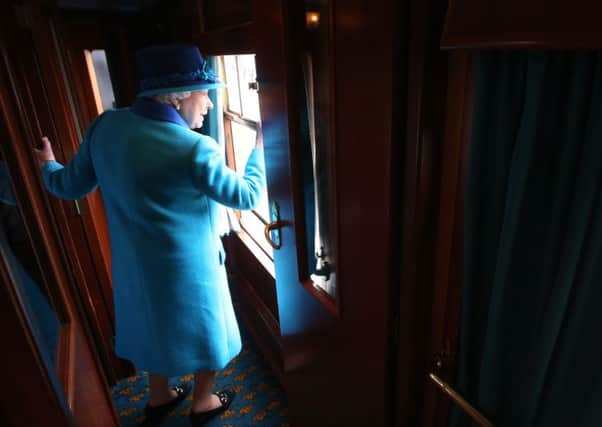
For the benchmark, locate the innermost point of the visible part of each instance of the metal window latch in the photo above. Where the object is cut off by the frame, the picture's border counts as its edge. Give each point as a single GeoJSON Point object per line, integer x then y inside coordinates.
{"type": "Point", "coordinates": [254, 86]}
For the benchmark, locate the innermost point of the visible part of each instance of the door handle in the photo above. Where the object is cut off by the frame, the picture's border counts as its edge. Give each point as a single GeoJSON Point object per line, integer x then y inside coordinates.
{"type": "Point", "coordinates": [457, 398]}
{"type": "Point", "coordinates": [275, 226]}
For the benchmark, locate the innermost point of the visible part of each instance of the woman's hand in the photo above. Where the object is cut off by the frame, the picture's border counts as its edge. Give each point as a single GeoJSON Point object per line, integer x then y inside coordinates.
{"type": "Point", "coordinates": [44, 154]}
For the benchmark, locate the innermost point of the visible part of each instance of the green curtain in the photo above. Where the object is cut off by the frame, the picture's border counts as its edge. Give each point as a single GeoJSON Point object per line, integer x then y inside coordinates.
{"type": "Point", "coordinates": [531, 338]}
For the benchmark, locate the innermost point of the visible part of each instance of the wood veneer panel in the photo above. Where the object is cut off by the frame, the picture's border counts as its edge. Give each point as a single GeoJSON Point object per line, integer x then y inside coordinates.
{"type": "Point", "coordinates": [241, 261]}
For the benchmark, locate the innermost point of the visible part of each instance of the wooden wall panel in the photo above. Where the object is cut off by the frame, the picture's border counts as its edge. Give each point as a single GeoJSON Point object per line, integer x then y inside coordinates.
{"type": "Point", "coordinates": [217, 28]}
{"type": "Point", "coordinates": [241, 261]}
{"type": "Point", "coordinates": [226, 14]}
{"type": "Point", "coordinates": [234, 41]}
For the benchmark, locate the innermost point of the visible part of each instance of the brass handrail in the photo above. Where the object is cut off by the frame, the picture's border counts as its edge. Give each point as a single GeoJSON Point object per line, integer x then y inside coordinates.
{"type": "Point", "coordinates": [460, 401]}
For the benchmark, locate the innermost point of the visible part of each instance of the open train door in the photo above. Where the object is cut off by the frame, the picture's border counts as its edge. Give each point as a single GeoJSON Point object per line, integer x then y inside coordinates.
{"type": "Point", "coordinates": [316, 299]}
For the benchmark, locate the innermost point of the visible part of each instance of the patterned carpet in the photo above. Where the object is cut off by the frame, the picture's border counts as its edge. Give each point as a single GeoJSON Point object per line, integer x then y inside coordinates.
{"type": "Point", "coordinates": [260, 401]}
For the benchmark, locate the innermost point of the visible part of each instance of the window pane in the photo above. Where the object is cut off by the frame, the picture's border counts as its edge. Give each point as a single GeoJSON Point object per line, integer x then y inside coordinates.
{"type": "Point", "coordinates": [249, 98]}
{"type": "Point", "coordinates": [232, 84]}
{"type": "Point", "coordinates": [243, 139]}
{"type": "Point", "coordinates": [254, 227]}
{"type": "Point", "coordinates": [101, 79]}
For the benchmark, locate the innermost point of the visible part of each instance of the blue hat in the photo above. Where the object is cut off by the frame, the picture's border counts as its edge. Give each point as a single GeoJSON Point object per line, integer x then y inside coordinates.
{"type": "Point", "coordinates": [174, 68]}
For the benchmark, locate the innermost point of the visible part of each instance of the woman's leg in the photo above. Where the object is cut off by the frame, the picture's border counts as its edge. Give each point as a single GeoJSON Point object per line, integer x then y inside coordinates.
{"type": "Point", "coordinates": [160, 393]}
{"type": "Point", "coordinates": [202, 399]}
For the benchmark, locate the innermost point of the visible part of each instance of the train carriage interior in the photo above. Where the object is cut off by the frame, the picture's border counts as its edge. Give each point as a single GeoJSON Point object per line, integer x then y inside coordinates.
{"type": "Point", "coordinates": [427, 248]}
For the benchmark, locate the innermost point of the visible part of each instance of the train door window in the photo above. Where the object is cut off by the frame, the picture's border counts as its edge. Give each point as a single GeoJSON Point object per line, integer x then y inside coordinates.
{"type": "Point", "coordinates": [242, 125]}
{"type": "Point", "coordinates": [96, 61]}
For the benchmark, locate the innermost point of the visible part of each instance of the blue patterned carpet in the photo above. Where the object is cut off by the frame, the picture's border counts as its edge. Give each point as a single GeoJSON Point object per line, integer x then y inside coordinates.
{"type": "Point", "coordinates": [260, 401]}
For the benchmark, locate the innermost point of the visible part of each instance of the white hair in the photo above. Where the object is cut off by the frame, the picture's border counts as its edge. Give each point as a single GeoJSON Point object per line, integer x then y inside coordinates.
{"type": "Point", "coordinates": [172, 97]}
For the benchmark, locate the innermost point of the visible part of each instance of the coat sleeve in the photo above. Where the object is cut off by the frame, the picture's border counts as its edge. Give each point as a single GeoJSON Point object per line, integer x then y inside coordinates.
{"type": "Point", "coordinates": [214, 178]}
{"type": "Point", "coordinates": [78, 177]}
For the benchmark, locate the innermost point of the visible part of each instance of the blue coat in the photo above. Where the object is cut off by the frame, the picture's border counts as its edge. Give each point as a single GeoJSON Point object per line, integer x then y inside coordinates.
{"type": "Point", "coordinates": [161, 184]}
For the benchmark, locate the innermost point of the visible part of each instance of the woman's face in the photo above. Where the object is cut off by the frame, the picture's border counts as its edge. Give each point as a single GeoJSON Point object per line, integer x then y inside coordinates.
{"type": "Point", "coordinates": [194, 108]}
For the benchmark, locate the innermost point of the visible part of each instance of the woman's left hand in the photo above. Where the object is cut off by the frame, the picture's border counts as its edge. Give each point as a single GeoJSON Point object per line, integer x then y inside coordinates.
{"type": "Point", "coordinates": [45, 154]}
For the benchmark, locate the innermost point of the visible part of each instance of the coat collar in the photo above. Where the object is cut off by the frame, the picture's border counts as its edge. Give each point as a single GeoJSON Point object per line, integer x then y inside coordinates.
{"type": "Point", "coordinates": [154, 110]}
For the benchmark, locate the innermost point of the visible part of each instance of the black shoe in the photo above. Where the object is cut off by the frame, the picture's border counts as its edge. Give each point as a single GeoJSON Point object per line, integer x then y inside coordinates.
{"type": "Point", "coordinates": [198, 419]}
{"type": "Point", "coordinates": [155, 414]}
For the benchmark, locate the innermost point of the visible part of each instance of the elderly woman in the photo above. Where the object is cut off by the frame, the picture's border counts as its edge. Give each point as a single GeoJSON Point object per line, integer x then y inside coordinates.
{"type": "Point", "coordinates": [162, 184]}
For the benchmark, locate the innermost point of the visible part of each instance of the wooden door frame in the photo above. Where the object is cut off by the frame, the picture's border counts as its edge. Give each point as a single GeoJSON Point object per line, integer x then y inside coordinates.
{"type": "Point", "coordinates": [76, 33]}
{"type": "Point", "coordinates": [447, 294]}
{"type": "Point", "coordinates": [420, 206]}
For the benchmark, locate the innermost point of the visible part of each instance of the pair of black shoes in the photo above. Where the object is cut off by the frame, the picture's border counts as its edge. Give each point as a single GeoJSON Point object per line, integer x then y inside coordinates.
{"type": "Point", "coordinates": [156, 414]}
